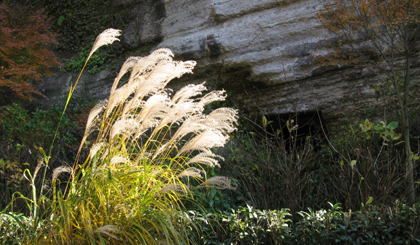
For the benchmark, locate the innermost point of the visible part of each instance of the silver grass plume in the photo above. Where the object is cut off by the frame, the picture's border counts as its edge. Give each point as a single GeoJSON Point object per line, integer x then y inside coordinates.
{"type": "Point", "coordinates": [125, 126]}
{"type": "Point", "coordinates": [120, 96]}
{"type": "Point", "coordinates": [155, 81]}
{"type": "Point", "coordinates": [106, 37]}
{"type": "Point", "coordinates": [206, 158]}
{"type": "Point", "coordinates": [128, 65]}
{"type": "Point", "coordinates": [178, 112]}
{"type": "Point", "coordinates": [96, 147]}
{"type": "Point", "coordinates": [59, 170]}
{"type": "Point", "coordinates": [144, 106]}
{"type": "Point", "coordinates": [142, 65]}
{"type": "Point", "coordinates": [218, 182]}
{"type": "Point", "coordinates": [193, 124]}
{"type": "Point", "coordinates": [222, 118]}
{"type": "Point", "coordinates": [192, 172]}
{"type": "Point", "coordinates": [205, 141]}
{"type": "Point", "coordinates": [183, 106]}
{"type": "Point", "coordinates": [188, 92]}
{"type": "Point", "coordinates": [93, 118]}
{"type": "Point", "coordinates": [173, 188]}
{"type": "Point", "coordinates": [108, 230]}
{"type": "Point", "coordinates": [155, 107]}
{"type": "Point", "coordinates": [40, 164]}
{"type": "Point", "coordinates": [212, 97]}
{"type": "Point", "coordinates": [118, 159]}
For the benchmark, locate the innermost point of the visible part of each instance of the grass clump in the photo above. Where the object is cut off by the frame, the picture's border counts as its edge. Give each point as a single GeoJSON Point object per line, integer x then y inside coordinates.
{"type": "Point", "coordinates": [150, 148]}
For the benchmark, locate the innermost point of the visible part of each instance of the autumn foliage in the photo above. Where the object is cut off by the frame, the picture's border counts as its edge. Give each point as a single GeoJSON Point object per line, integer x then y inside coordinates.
{"type": "Point", "coordinates": [385, 24]}
{"type": "Point", "coordinates": [24, 55]}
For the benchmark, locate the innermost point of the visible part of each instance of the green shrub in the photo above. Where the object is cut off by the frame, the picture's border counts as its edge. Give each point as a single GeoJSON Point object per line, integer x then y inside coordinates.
{"type": "Point", "coordinates": [362, 163]}
{"type": "Point", "coordinates": [275, 172]}
{"type": "Point", "coordinates": [244, 225]}
{"type": "Point", "coordinates": [359, 162]}
{"type": "Point", "coordinates": [14, 228]}
{"type": "Point", "coordinates": [77, 22]}
{"type": "Point", "coordinates": [22, 133]}
{"type": "Point", "coordinates": [371, 225]}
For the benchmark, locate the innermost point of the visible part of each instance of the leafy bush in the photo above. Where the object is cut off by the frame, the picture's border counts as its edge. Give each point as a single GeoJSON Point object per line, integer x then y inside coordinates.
{"type": "Point", "coordinates": [371, 225]}
{"type": "Point", "coordinates": [77, 22]}
{"type": "Point", "coordinates": [22, 134]}
{"type": "Point", "coordinates": [275, 172]}
{"type": "Point", "coordinates": [358, 163]}
{"type": "Point", "coordinates": [244, 225]}
{"type": "Point", "coordinates": [14, 228]}
{"type": "Point", "coordinates": [363, 162]}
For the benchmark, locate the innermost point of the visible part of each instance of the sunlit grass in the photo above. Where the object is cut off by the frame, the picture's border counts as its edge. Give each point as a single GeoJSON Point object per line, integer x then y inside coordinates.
{"type": "Point", "coordinates": [148, 155]}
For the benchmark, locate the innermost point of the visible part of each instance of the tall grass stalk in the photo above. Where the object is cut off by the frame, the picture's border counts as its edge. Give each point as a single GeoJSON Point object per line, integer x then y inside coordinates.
{"type": "Point", "coordinates": [148, 155]}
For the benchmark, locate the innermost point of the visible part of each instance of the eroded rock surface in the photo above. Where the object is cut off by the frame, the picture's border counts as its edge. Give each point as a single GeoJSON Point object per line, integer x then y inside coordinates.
{"type": "Point", "coordinates": [262, 52]}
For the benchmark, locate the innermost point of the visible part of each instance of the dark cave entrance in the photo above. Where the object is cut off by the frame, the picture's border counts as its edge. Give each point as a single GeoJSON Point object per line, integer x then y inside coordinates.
{"type": "Point", "coordinates": [296, 130]}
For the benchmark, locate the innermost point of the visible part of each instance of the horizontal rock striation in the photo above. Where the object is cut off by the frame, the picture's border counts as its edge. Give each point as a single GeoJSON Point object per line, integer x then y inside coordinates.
{"type": "Point", "coordinates": [262, 52]}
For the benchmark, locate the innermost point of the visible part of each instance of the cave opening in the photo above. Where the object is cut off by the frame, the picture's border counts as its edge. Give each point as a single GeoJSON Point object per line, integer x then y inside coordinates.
{"type": "Point", "coordinates": [294, 131]}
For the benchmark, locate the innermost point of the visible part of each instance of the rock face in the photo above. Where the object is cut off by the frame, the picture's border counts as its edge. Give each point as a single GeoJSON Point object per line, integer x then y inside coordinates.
{"type": "Point", "coordinates": [262, 52]}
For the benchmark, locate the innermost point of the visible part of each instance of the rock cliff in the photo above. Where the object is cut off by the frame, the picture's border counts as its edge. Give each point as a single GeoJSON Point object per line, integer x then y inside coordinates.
{"type": "Point", "coordinates": [262, 52]}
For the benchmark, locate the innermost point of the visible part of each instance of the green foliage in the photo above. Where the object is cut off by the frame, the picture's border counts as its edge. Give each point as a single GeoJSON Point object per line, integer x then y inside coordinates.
{"type": "Point", "coordinates": [212, 199]}
{"type": "Point", "coordinates": [363, 162]}
{"type": "Point", "coordinates": [386, 132]}
{"type": "Point", "coordinates": [16, 122]}
{"type": "Point", "coordinates": [22, 133]}
{"type": "Point", "coordinates": [104, 59]}
{"type": "Point", "coordinates": [275, 171]}
{"type": "Point", "coordinates": [371, 225]}
{"type": "Point", "coordinates": [357, 163]}
{"type": "Point", "coordinates": [398, 224]}
{"type": "Point", "coordinates": [244, 225]}
{"type": "Point", "coordinates": [77, 22]}
{"type": "Point", "coordinates": [14, 228]}
{"type": "Point", "coordinates": [386, 27]}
